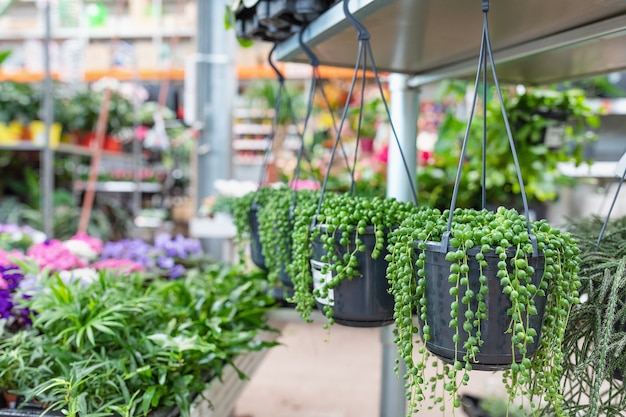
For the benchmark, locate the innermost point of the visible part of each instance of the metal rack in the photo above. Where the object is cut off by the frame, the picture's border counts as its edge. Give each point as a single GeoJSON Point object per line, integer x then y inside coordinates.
{"type": "Point", "coordinates": [423, 41]}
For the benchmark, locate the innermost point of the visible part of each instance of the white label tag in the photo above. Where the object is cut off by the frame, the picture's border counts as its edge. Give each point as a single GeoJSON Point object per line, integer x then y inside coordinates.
{"type": "Point", "coordinates": [621, 166]}
{"type": "Point", "coordinates": [319, 280]}
{"type": "Point", "coordinates": [555, 136]}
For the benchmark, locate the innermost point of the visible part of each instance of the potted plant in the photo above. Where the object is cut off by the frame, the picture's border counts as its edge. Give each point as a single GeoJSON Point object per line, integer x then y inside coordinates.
{"type": "Point", "coordinates": [491, 291]}
{"type": "Point", "coordinates": [81, 109]}
{"type": "Point", "coordinates": [595, 338]}
{"type": "Point", "coordinates": [365, 122]}
{"type": "Point", "coordinates": [265, 219]}
{"type": "Point", "coordinates": [338, 258]}
{"type": "Point", "coordinates": [531, 113]}
{"type": "Point", "coordinates": [126, 344]}
{"type": "Point", "coordinates": [245, 216]}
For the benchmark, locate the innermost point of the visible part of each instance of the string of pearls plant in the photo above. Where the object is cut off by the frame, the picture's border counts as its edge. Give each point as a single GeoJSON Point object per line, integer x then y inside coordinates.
{"type": "Point", "coordinates": [343, 220]}
{"type": "Point", "coordinates": [476, 234]}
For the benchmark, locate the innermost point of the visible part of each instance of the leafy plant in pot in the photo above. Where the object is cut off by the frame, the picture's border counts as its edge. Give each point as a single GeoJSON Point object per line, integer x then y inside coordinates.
{"type": "Point", "coordinates": [267, 216]}
{"type": "Point", "coordinates": [339, 258]}
{"type": "Point", "coordinates": [492, 290]}
{"type": "Point", "coordinates": [245, 217]}
{"type": "Point", "coordinates": [505, 304]}
{"type": "Point", "coordinates": [595, 337]}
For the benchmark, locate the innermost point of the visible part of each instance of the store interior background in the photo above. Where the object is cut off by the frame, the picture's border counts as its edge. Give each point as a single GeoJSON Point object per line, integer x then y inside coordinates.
{"type": "Point", "coordinates": [146, 46]}
{"type": "Point", "coordinates": [152, 46]}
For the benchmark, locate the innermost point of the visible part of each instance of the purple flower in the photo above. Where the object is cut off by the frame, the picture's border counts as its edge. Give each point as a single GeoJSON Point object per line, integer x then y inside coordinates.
{"type": "Point", "coordinates": [11, 275]}
{"type": "Point", "coordinates": [134, 250]}
{"type": "Point", "coordinates": [176, 271]}
{"type": "Point", "coordinates": [165, 262]}
{"type": "Point", "coordinates": [179, 247]}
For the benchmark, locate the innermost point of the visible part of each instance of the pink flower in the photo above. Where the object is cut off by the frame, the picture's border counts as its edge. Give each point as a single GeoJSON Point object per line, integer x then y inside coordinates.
{"type": "Point", "coordinates": [3, 284]}
{"type": "Point", "coordinates": [55, 255]}
{"type": "Point", "coordinates": [383, 154]}
{"type": "Point", "coordinates": [6, 258]}
{"type": "Point", "coordinates": [93, 242]}
{"type": "Point", "coordinates": [119, 265]}
{"type": "Point", "coordinates": [304, 185]}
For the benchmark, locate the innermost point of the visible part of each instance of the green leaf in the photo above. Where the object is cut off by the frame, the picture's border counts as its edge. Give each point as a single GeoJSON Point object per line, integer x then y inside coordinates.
{"type": "Point", "coordinates": [147, 398]}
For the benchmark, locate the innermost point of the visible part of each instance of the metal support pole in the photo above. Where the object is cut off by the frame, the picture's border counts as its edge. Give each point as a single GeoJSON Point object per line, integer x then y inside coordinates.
{"type": "Point", "coordinates": [216, 92]}
{"type": "Point", "coordinates": [404, 110]}
{"type": "Point", "coordinates": [404, 107]}
{"type": "Point", "coordinates": [46, 176]}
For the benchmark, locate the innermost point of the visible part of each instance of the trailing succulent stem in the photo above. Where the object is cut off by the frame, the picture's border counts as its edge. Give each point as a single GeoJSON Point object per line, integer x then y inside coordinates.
{"type": "Point", "coordinates": [340, 226]}
{"type": "Point", "coordinates": [478, 241]}
{"type": "Point", "coordinates": [241, 212]}
{"type": "Point", "coordinates": [275, 227]}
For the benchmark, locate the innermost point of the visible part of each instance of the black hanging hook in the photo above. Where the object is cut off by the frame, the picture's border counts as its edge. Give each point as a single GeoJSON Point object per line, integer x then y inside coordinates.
{"type": "Point", "coordinates": [281, 77]}
{"type": "Point", "coordinates": [364, 34]}
{"type": "Point", "coordinates": [312, 57]}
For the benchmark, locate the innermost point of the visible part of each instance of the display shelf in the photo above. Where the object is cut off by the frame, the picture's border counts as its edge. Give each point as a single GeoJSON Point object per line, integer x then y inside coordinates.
{"type": "Point", "coordinates": [598, 170]}
{"type": "Point", "coordinates": [250, 144]}
{"type": "Point", "coordinates": [252, 129]}
{"type": "Point", "coordinates": [534, 41]}
{"type": "Point", "coordinates": [85, 151]}
{"type": "Point", "coordinates": [100, 33]}
{"type": "Point", "coordinates": [62, 148]}
{"type": "Point", "coordinates": [248, 160]}
{"type": "Point", "coordinates": [20, 146]}
{"type": "Point", "coordinates": [121, 186]}
{"type": "Point", "coordinates": [219, 227]}
{"type": "Point", "coordinates": [607, 106]}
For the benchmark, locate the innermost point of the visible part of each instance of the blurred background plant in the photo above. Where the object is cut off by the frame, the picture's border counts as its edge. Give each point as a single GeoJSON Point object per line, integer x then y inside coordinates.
{"type": "Point", "coordinates": [532, 115]}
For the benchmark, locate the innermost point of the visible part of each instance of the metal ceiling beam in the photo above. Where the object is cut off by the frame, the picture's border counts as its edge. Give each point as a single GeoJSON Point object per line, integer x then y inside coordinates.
{"type": "Point", "coordinates": [607, 28]}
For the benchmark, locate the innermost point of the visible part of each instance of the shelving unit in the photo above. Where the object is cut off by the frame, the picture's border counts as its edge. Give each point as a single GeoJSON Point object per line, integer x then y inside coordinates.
{"type": "Point", "coordinates": [121, 187]}
{"type": "Point", "coordinates": [250, 141]}
{"type": "Point", "coordinates": [423, 41]}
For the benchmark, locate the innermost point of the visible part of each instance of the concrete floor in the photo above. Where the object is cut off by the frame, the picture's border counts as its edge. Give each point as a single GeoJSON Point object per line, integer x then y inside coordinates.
{"type": "Point", "coordinates": [314, 373]}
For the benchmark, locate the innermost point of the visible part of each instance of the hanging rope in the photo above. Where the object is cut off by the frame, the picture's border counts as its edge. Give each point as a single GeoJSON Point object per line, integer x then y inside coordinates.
{"type": "Point", "coordinates": [364, 51]}
{"type": "Point", "coordinates": [487, 53]}
{"type": "Point", "coordinates": [608, 216]}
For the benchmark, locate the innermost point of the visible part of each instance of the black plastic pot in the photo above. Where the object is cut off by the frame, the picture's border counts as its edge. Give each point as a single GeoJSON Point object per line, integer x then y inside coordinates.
{"type": "Point", "coordinates": [363, 301]}
{"type": "Point", "coordinates": [496, 352]}
{"type": "Point", "coordinates": [256, 247]}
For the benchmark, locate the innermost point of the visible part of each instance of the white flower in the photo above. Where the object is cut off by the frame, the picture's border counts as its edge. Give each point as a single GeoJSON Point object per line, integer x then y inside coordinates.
{"type": "Point", "coordinates": [85, 276]}
{"type": "Point", "coordinates": [80, 248]}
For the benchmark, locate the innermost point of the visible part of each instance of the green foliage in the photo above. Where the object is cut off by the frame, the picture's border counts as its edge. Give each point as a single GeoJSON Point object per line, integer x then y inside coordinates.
{"type": "Point", "coordinates": [373, 111]}
{"type": "Point", "coordinates": [529, 114]}
{"type": "Point", "coordinates": [345, 218]}
{"type": "Point", "coordinates": [82, 107]}
{"type": "Point", "coordinates": [125, 345]}
{"type": "Point", "coordinates": [474, 234]}
{"type": "Point", "coordinates": [19, 101]}
{"type": "Point", "coordinates": [109, 219]}
{"type": "Point", "coordinates": [276, 225]}
{"type": "Point", "coordinates": [241, 216]}
{"type": "Point", "coordinates": [595, 337]}
{"type": "Point", "coordinates": [262, 94]}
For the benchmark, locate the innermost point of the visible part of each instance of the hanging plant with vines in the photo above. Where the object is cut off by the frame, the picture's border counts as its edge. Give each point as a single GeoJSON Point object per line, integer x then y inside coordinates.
{"type": "Point", "coordinates": [596, 334]}
{"type": "Point", "coordinates": [476, 235]}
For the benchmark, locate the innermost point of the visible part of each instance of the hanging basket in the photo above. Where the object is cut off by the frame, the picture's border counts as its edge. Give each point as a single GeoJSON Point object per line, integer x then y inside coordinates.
{"type": "Point", "coordinates": [496, 351]}
{"type": "Point", "coordinates": [256, 249]}
{"type": "Point", "coordinates": [363, 301]}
